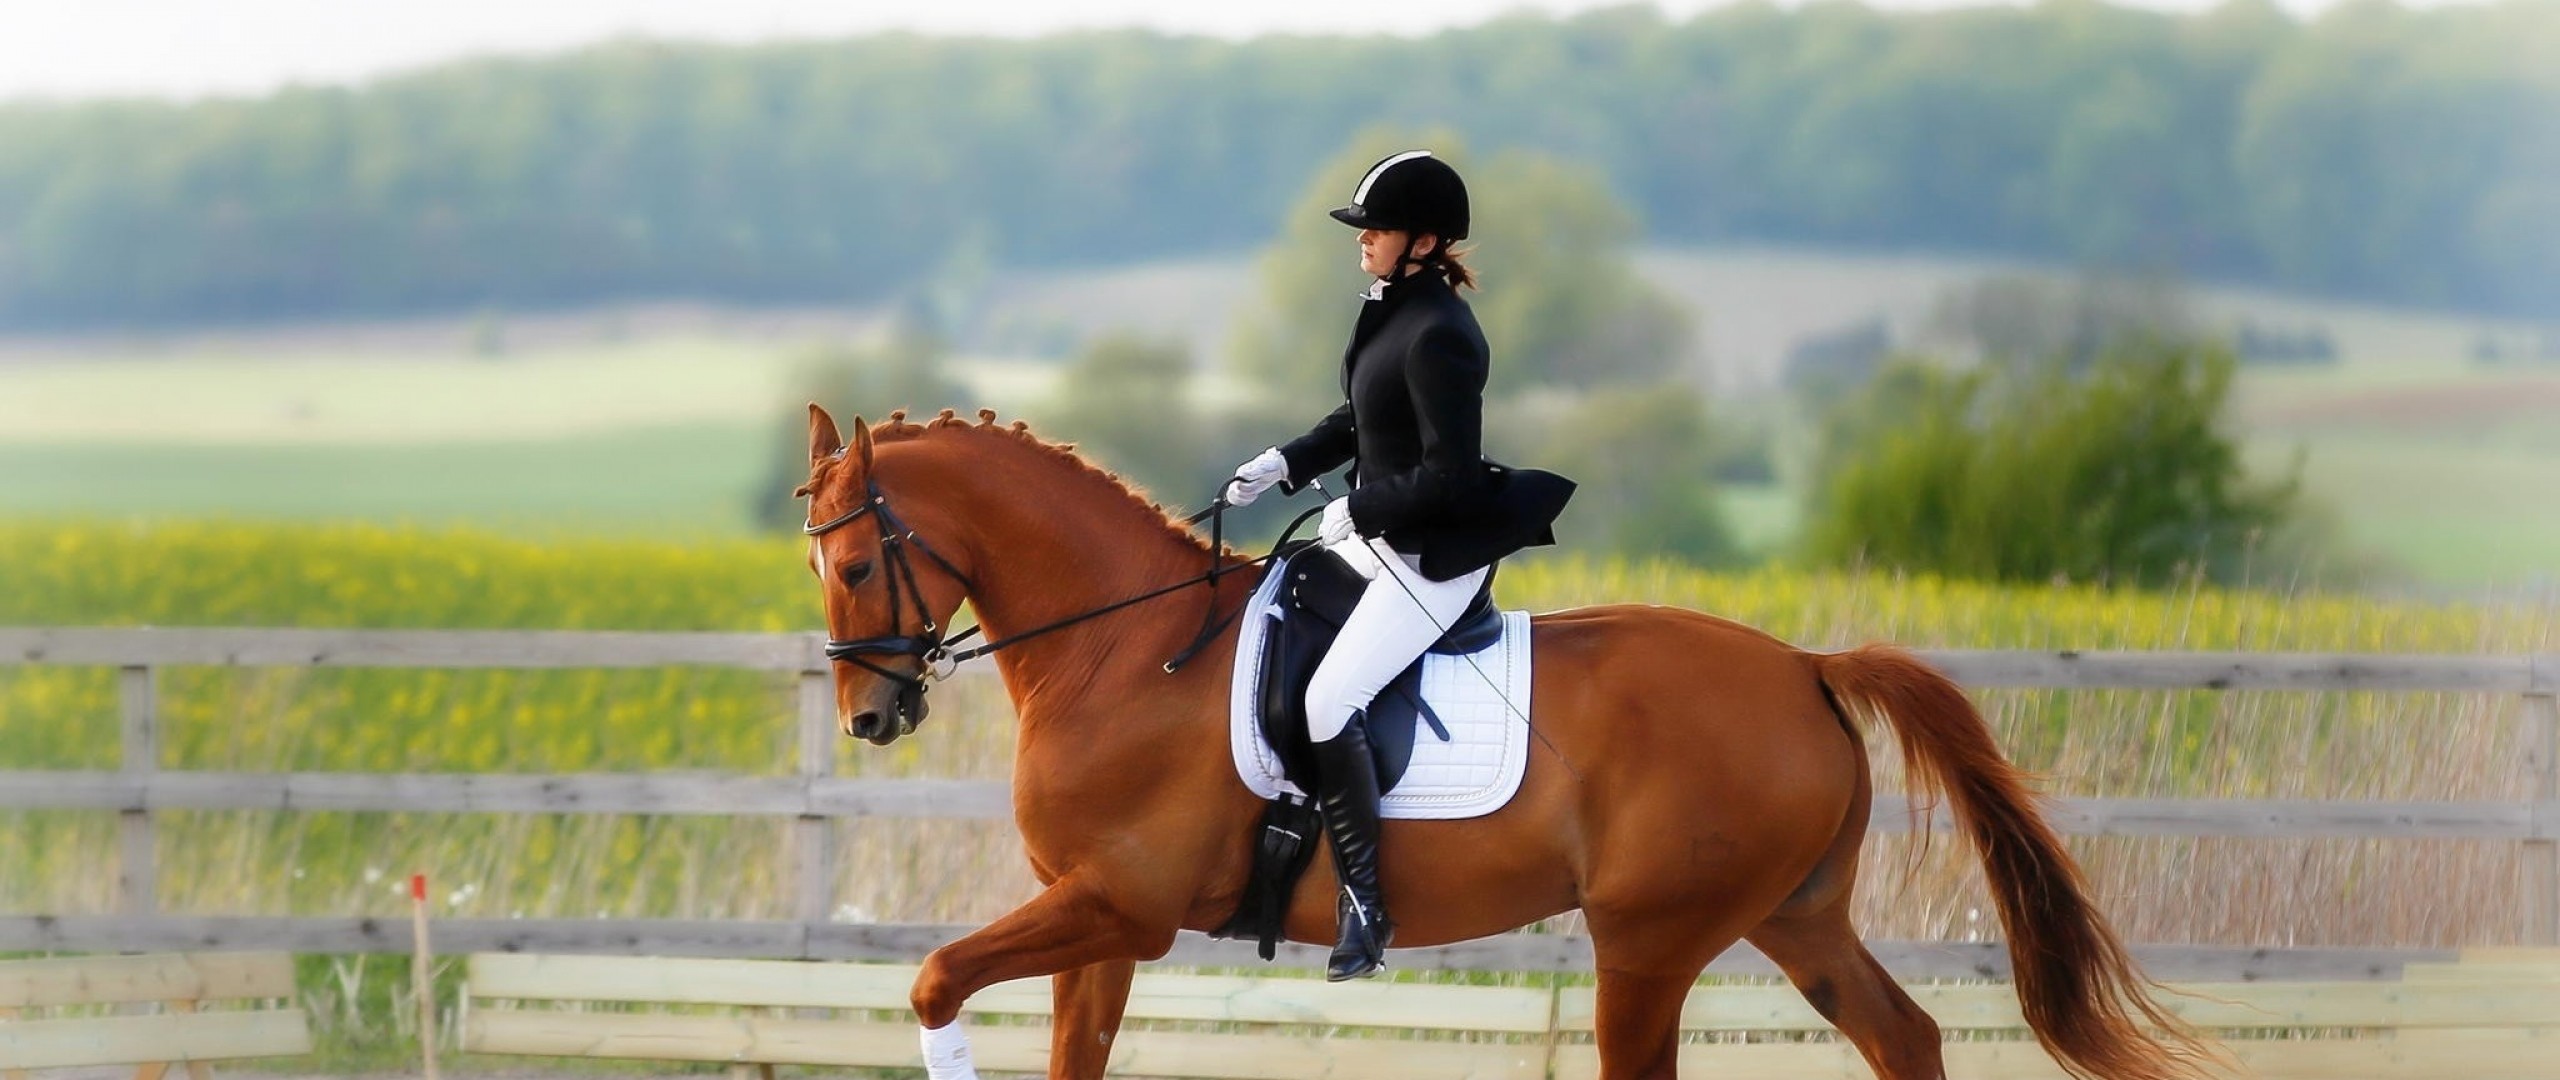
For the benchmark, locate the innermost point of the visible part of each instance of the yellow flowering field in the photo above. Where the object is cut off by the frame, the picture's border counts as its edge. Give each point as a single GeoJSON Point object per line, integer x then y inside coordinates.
{"type": "Point", "coordinates": [2383, 746]}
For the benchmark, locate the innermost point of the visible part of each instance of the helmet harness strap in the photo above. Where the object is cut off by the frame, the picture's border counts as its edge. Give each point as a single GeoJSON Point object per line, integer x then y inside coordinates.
{"type": "Point", "coordinates": [1408, 258]}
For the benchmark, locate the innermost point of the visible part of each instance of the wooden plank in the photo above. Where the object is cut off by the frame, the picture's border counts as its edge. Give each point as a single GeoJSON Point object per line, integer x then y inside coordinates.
{"type": "Point", "coordinates": [462, 793]}
{"type": "Point", "coordinates": [758, 983]}
{"type": "Point", "coordinates": [2220, 1006]}
{"type": "Point", "coordinates": [2541, 907]}
{"type": "Point", "coordinates": [911, 941]}
{"type": "Point", "coordinates": [813, 843]}
{"type": "Point", "coordinates": [2066, 669]}
{"type": "Point", "coordinates": [1154, 996]}
{"type": "Point", "coordinates": [391, 934]}
{"type": "Point", "coordinates": [1310, 1001]}
{"type": "Point", "coordinates": [82, 980]}
{"type": "Point", "coordinates": [239, 647]}
{"type": "Point", "coordinates": [137, 843]}
{"type": "Point", "coordinates": [837, 797]}
{"type": "Point", "coordinates": [112, 1040]}
{"type": "Point", "coordinates": [661, 1037]}
{"type": "Point", "coordinates": [2430, 1055]}
{"type": "Point", "coordinates": [1335, 1056]}
{"type": "Point", "coordinates": [2484, 973]}
{"type": "Point", "coordinates": [2342, 818]}
{"type": "Point", "coordinates": [651, 1036]}
{"type": "Point", "coordinates": [2510, 954]}
{"type": "Point", "coordinates": [2075, 670]}
{"type": "Point", "coordinates": [983, 800]}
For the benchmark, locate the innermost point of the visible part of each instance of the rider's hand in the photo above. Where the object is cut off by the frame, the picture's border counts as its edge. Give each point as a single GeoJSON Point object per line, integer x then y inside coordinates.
{"type": "Point", "coordinates": [1257, 476]}
{"type": "Point", "coordinates": [1336, 526]}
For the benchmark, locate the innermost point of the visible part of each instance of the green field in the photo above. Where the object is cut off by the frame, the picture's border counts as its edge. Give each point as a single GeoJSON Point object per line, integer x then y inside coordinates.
{"type": "Point", "coordinates": [2432, 468]}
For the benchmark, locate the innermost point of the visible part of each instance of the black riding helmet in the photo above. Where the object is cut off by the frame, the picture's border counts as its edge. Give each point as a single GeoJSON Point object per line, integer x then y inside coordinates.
{"type": "Point", "coordinates": [1410, 192]}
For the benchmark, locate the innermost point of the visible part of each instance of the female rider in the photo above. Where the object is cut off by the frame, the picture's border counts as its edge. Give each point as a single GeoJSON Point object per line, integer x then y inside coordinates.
{"type": "Point", "coordinates": [1427, 516]}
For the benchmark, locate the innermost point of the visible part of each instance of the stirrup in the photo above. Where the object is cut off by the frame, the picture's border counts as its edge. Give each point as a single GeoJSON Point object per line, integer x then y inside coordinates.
{"type": "Point", "coordinates": [1360, 946]}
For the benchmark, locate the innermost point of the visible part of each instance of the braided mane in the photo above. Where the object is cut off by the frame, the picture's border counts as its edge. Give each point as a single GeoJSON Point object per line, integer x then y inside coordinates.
{"type": "Point", "coordinates": [896, 429]}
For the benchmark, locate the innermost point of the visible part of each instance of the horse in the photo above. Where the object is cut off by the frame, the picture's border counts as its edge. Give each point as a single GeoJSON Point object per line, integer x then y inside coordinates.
{"type": "Point", "coordinates": [1695, 781]}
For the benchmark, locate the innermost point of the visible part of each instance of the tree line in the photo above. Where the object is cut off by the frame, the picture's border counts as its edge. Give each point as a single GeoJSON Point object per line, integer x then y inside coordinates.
{"type": "Point", "coordinates": [2370, 152]}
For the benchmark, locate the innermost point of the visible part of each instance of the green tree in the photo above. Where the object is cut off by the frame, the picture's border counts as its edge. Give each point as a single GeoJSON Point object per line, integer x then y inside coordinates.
{"type": "Point", "coordinates": [2406, 154]}
{"type": "Point", "coordinates": [906, 369]}
{"type": "Point", "coordinates": [1645, 458]}
{"type": "Point", "coordinates": [1561, 303]}
{"type": "Point", "coordinates": [1127, 402]}
{"type": "Point", "coordinates": [2023, 321]}
{"type": "Point", "coordinates": [2116, 474]}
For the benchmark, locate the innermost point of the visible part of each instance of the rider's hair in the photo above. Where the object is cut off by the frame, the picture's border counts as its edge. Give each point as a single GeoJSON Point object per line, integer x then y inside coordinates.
{"type": "Point", "coordinates": [1452, 263]}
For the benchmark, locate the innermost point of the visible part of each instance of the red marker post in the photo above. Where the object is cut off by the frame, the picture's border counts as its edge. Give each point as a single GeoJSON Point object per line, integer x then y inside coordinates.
{"type": "Point", "coordinates": [422, 971]}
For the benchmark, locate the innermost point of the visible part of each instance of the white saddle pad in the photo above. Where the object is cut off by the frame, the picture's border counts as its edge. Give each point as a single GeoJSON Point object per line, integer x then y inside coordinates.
{"type": "Point", "coordinates": [1473, 773]}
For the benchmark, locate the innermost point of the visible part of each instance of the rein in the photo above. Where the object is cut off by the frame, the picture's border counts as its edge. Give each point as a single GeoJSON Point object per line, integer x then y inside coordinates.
{"type": "Point", "coordinates": [934, 652]}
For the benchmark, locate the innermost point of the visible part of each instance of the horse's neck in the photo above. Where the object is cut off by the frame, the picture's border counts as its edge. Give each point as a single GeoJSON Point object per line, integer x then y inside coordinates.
{"type": "Point", "coordinates": [1053, 541]}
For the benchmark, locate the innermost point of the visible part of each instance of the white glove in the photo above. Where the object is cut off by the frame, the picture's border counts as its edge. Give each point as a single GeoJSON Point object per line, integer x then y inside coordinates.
{"type": "Point", "coordinates": [1257, 476]}
{"type": "Point", "coordinates": [1335, 527]}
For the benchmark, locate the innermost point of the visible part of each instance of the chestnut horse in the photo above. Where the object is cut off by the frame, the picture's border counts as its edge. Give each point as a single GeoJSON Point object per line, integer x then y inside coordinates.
{"type": "Point", "coordinates": [1697, 781]}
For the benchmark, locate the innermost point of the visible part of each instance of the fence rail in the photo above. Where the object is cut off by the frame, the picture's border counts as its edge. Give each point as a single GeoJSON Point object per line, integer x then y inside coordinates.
{"type": "Point", "coordinates": [720, 795]}
{"type": "Point", "coordinates": [814, 798]}
{"type": "Point", "coordinates": [1984, 669]}
{"type": "Point", "coordinates": [908, 942]}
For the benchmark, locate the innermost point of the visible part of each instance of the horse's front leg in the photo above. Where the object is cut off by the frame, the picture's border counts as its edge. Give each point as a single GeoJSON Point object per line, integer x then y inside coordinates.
{"type": "Point", "coordinates": [1070, 925]}
{"type": "Point", "coordinates": [1086, 1016]}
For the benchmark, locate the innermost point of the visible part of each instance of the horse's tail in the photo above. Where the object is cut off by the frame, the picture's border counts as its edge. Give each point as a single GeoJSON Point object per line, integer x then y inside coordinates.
{"type": "Point", "coordinates": [2082, 995]}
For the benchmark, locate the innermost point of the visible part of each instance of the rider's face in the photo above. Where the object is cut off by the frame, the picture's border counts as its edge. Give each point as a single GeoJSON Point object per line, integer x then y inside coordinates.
{"type": "Point", "coordinates": [1380, 248]}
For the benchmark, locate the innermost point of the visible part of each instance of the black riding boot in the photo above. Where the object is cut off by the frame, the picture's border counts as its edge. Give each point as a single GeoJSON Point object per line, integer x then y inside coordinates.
{"type": "Point", "coordinates": [1349, 803]}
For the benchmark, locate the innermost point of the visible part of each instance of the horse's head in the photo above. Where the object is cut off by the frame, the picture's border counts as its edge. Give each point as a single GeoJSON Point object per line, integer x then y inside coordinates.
{"type": "Point", "coordinates": [889, 593]}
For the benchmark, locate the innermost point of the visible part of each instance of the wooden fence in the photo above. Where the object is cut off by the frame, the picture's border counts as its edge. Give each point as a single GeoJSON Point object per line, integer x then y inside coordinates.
{"type": "Point", "coordinates": [813, 797]}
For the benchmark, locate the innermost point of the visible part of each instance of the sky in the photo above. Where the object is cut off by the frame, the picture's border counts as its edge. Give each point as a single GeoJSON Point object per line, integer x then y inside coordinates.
{"type": "Point", "coordinates": [195, 48]}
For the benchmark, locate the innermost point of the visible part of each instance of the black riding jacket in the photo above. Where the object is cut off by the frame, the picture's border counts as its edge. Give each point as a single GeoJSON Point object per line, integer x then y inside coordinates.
{"type": "Point", "coordinates": [1413, 424]}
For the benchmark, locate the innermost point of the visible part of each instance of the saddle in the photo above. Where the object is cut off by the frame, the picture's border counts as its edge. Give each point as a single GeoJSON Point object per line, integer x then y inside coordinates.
{"type": "Point", "coordinates": [1318, 590]}
{"type": "Point", "coordinates": [1317, 594]}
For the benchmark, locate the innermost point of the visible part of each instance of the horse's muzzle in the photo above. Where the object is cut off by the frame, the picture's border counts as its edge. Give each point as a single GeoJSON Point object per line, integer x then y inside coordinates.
{"type": "Point", "coordinates": [906, 709]}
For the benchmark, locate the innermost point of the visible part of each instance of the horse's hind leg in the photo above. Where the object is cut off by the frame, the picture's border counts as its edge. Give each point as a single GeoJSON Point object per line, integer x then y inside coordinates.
{"type": "Point", "coordinates": [1648, 959]}
{"type": "Point", "coordinates": [1823, 957]}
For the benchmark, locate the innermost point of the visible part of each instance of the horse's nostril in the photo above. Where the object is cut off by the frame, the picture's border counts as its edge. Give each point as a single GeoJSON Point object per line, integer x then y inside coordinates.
{"type": "Point", "coordinates": [864, 726]}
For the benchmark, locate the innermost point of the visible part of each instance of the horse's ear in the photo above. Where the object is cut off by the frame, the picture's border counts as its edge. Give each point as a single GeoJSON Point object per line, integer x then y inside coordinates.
{"type": "Point", "coordinates": [824, 442]}
{"type": "Point", "coordinates": [862, 443]}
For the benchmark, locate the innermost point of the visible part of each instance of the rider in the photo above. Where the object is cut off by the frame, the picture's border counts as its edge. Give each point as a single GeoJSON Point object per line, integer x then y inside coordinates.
{"type": "Point", "coordinates": [1427, 516]}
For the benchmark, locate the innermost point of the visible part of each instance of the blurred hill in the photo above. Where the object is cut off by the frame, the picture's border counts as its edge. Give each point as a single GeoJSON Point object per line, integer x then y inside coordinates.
{"type": "Point", "coordinates": [2372, 153]}
{"type": "Point", "coordinates": [662, 417]}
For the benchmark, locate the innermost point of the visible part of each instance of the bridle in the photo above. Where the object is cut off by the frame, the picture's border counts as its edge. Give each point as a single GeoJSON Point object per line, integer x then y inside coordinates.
{"type": "Point", "coordinates": [927, 646]}
{"type": "Point", "coordinates": [904, 587]}
{"type": "Point", "coordinates": [935, 656]}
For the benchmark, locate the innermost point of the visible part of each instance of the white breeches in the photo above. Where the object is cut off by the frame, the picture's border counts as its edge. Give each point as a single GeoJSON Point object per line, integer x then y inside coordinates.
{"type": "Point", "coordinates": [1385, 632]}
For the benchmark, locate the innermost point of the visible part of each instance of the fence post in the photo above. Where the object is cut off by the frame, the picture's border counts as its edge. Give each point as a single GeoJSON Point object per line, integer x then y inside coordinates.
{"type": "Point", "coordinates": [138, 869]}
{"type": "Point", "coordinates": [2542, 853]}
{"type": "Point", "coordinates": [813, 840]}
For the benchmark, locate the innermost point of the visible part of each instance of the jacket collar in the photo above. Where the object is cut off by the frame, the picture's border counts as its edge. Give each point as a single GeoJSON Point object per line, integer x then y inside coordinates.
{"type": "Point", "coordinates": [1424, 280]}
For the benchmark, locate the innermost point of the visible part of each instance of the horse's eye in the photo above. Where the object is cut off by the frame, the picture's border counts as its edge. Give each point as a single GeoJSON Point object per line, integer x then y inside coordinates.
{"type": "Point", "coordinates": [857, 573]}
